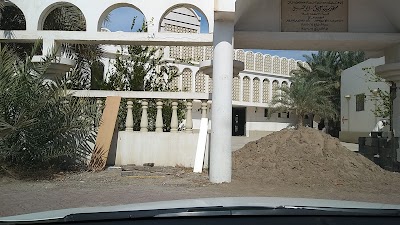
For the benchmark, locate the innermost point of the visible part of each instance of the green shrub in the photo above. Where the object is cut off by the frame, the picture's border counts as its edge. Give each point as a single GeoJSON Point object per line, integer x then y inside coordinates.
{"type": "Point", "coordinates": [42, 128]}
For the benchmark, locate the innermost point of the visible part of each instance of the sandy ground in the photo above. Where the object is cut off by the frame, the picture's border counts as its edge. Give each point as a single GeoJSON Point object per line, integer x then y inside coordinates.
{"type": "Point", "coordinates": [109, 188]}
{"type": "Point", "coordinates": [287, 164]}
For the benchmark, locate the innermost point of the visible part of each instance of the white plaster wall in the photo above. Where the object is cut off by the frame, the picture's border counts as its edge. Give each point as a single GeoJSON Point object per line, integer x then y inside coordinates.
{"type": "Point", "coordinates": [35, 11]}
{"type": "Point", "coordinates": [354, 81]}
{"type": "Point", "coordinates": [170, 149]}
{"type": "Point", "coordinates": [255, 120]}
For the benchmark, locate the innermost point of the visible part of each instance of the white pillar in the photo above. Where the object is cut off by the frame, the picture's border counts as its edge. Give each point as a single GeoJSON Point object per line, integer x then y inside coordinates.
{"type": "Point", "coordinates": [49, 45]}
{"type": "Point", "coordinates": [129, 117]}
{"type": "Point", "coordinates": [144, 122]}
{"type": "Point", "coordinates": [189, 120]}
{"type": "Point", "coordinates": [221, 133]}
{"type": "Point", "coordinates": [159, 118]}
{"type": "Point", "coordinates": [174, 118]}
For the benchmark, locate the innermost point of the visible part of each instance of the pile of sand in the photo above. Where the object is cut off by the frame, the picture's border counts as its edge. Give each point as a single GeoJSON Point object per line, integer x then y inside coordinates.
{"type": "Point", "coordinates": [308, 157]}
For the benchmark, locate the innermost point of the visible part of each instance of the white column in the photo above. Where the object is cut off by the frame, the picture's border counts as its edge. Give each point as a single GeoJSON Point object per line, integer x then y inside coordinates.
{"type": "Point", "coordinates": [129, 117]}
{"type": "Point", "coordinates": [144, 122]}
{"type": "Point", "coordinates": [174, 118]}
{"type": "Point", "coordinates": [189, 120]}
{"type": "Point", "coordinates": [159, 118]}
{"type": "Point", "coordinates": [49, 45]}
{"type": "Point", "coordinates": [221, 133]}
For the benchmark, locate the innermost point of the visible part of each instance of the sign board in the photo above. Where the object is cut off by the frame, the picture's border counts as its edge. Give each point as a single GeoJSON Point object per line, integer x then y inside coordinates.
{"type": "Point", "coordinates": [314, 16]}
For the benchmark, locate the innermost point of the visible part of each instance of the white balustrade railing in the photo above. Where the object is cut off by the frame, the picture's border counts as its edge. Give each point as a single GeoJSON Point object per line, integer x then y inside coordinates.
{"type": "Point", "coordinates": [160, 97]}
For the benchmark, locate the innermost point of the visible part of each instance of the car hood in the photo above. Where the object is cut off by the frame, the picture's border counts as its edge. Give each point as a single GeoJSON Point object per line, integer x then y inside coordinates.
{"type": "Point", "coordinates": [206, 202]}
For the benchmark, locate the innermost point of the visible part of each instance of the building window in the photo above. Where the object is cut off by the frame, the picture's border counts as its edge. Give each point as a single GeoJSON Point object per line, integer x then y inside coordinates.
{"type": "Point", "coordinates": [288, 115]}
{"type": "Point", "coordinates": [265, 112]}
{"type": "Point", "coordinates": [360, 100]}
{"type": "Point", "coordinates": [279, 115]}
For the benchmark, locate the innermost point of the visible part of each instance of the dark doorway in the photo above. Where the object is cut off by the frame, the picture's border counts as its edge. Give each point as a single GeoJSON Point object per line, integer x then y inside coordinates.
{"type": "Point", "coordinates": [238, 121]}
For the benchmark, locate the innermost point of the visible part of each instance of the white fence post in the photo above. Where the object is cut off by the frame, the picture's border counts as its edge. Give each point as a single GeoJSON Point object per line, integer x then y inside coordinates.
{"type": "Point", "coordinates": [174, 118]}
{"type": "Point", "coordinates": [144, 123]}
{"type": "Point", "coordinates": [129, 117]}
{"type": "Point", "coordinates": [159, 118]}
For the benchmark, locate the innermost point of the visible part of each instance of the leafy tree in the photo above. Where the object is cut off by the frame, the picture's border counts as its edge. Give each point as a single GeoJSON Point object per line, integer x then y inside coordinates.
{"type": "Point", "coordinates": [141, 68]}
{"type": "Point", "coordinates": [305, 96]}
{"type": "Point", "coordinates": [327, 66]}
{"type": "Point", "coordinates": [70, 18]}
{"type": "Point", "coordinates": [41, 127]}
{"type": "Point", "coordinates": [382, 98]}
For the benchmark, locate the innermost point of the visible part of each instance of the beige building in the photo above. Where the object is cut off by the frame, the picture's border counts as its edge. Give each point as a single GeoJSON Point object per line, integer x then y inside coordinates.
{"type": "Point", "coordinates": [358, 100]}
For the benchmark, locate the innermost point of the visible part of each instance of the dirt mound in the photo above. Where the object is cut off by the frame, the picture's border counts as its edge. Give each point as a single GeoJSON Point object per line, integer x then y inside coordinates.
{"type": "Point", "coordinates": [308, 157]}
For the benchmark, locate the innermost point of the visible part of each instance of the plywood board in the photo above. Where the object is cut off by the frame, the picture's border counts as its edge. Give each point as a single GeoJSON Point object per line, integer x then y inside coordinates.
{"type": "Point", "coordinates": [201, 146]}
{"type": "Point", "coordinates": [105, 134]}
{"type": "Point", "coordinates": [314, 16]}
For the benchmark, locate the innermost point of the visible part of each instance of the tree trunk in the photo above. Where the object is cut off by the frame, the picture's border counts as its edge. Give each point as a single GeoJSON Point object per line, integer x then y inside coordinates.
{"type": "Point", "coordinates": [300, 121]}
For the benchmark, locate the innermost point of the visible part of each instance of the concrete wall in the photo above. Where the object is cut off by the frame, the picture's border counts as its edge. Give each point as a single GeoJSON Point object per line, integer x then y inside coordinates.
{"type": "Point", "coordinates": [162, 149]}
{"type": "Point", "coordinates": [256, 121]}
{"type": "Point", "coordinates": [355, 81]}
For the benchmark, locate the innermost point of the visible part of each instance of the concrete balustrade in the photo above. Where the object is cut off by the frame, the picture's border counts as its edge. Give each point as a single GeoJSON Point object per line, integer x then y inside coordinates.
{"type": "Point", "coordinates": [174, 118]}
{"type": "Point", "coordinates": [129, 117]}
{"type": "Point", "coordinates": [159, 118]}
{"type": "Point", "coordinates": [189, 120]}
{"type": "Point", "coordinates": [144, 122]}
{"type": "Point", "coordinates": [162, 148]}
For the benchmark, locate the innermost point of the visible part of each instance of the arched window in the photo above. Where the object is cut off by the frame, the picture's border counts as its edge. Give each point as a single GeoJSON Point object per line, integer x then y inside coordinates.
{"type": "Point", "coordinates": [292, 65]}
{"type": "Point", "coordinates": [210, 84]}
{"type": "Point", "coordinates": [284, 66]}
{"type": "Point", "coordinates": [236, 88]}
{"type": "Point", "coordinates": [275, 88]}
{"type": "Point", "coordinates": [259, 62]}
{"type": "Point", "coordinates": [187, 80]}
{"type": "Point", "coordinates": [256, 90]}
{"type": "Point", "coordinates": [240, 55]}
{"type": "Point", "coordinates": [122, 17]}
{"type": "Point", "coordinates": [249, 61]}
{"type": "Point", "coordinates": [268, 64]}
{"type": "Point", "coordinates": [200, 82]}
{"type": "Point", "coordinates": [60, 19]}
{"type": "Point", "coordinates": [266, 90]}
{"type": "Point", "coordinates": [276, 65]}
{"type": "Point", "coordinates": [12, 18]}
{"type": "Point", "coordinates": [246, 89]}
{"type": "Point", "coordinates": [174, 84]}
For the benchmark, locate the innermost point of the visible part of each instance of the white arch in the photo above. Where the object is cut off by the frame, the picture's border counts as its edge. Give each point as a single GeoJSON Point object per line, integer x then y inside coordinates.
{"type": "Point", "coordinates": [246, 89]}
{"type": "Point", "coordinates": [112, 7]}
{"type": "Point", "coordinates": [249, 60]}
{"type": "Point", "coordinates": [184, 5]}
{"type": "Point", "coordinates": [10, 4]}
{"type": "Point", "coordinates": [45, 13]}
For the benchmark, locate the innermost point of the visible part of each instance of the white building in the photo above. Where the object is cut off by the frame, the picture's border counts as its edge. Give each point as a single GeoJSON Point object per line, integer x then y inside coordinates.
{"type": "Point", "coordinates": [358, 100]}
{"type": "Point", "coordinates": [252, 89]}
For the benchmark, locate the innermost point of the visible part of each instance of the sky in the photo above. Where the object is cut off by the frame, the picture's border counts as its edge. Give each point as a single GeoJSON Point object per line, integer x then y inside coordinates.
{"type": "Point", "coordinates": [121, 20]}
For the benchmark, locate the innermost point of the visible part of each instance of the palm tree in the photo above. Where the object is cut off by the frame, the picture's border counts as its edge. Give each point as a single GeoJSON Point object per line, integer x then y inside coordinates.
{"type": "Point", "coordinates": [305, 96]}
{"type": "Point", "coordinates": [327, 66]}
{"type": "Point", "coordinates": [41, 127]}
